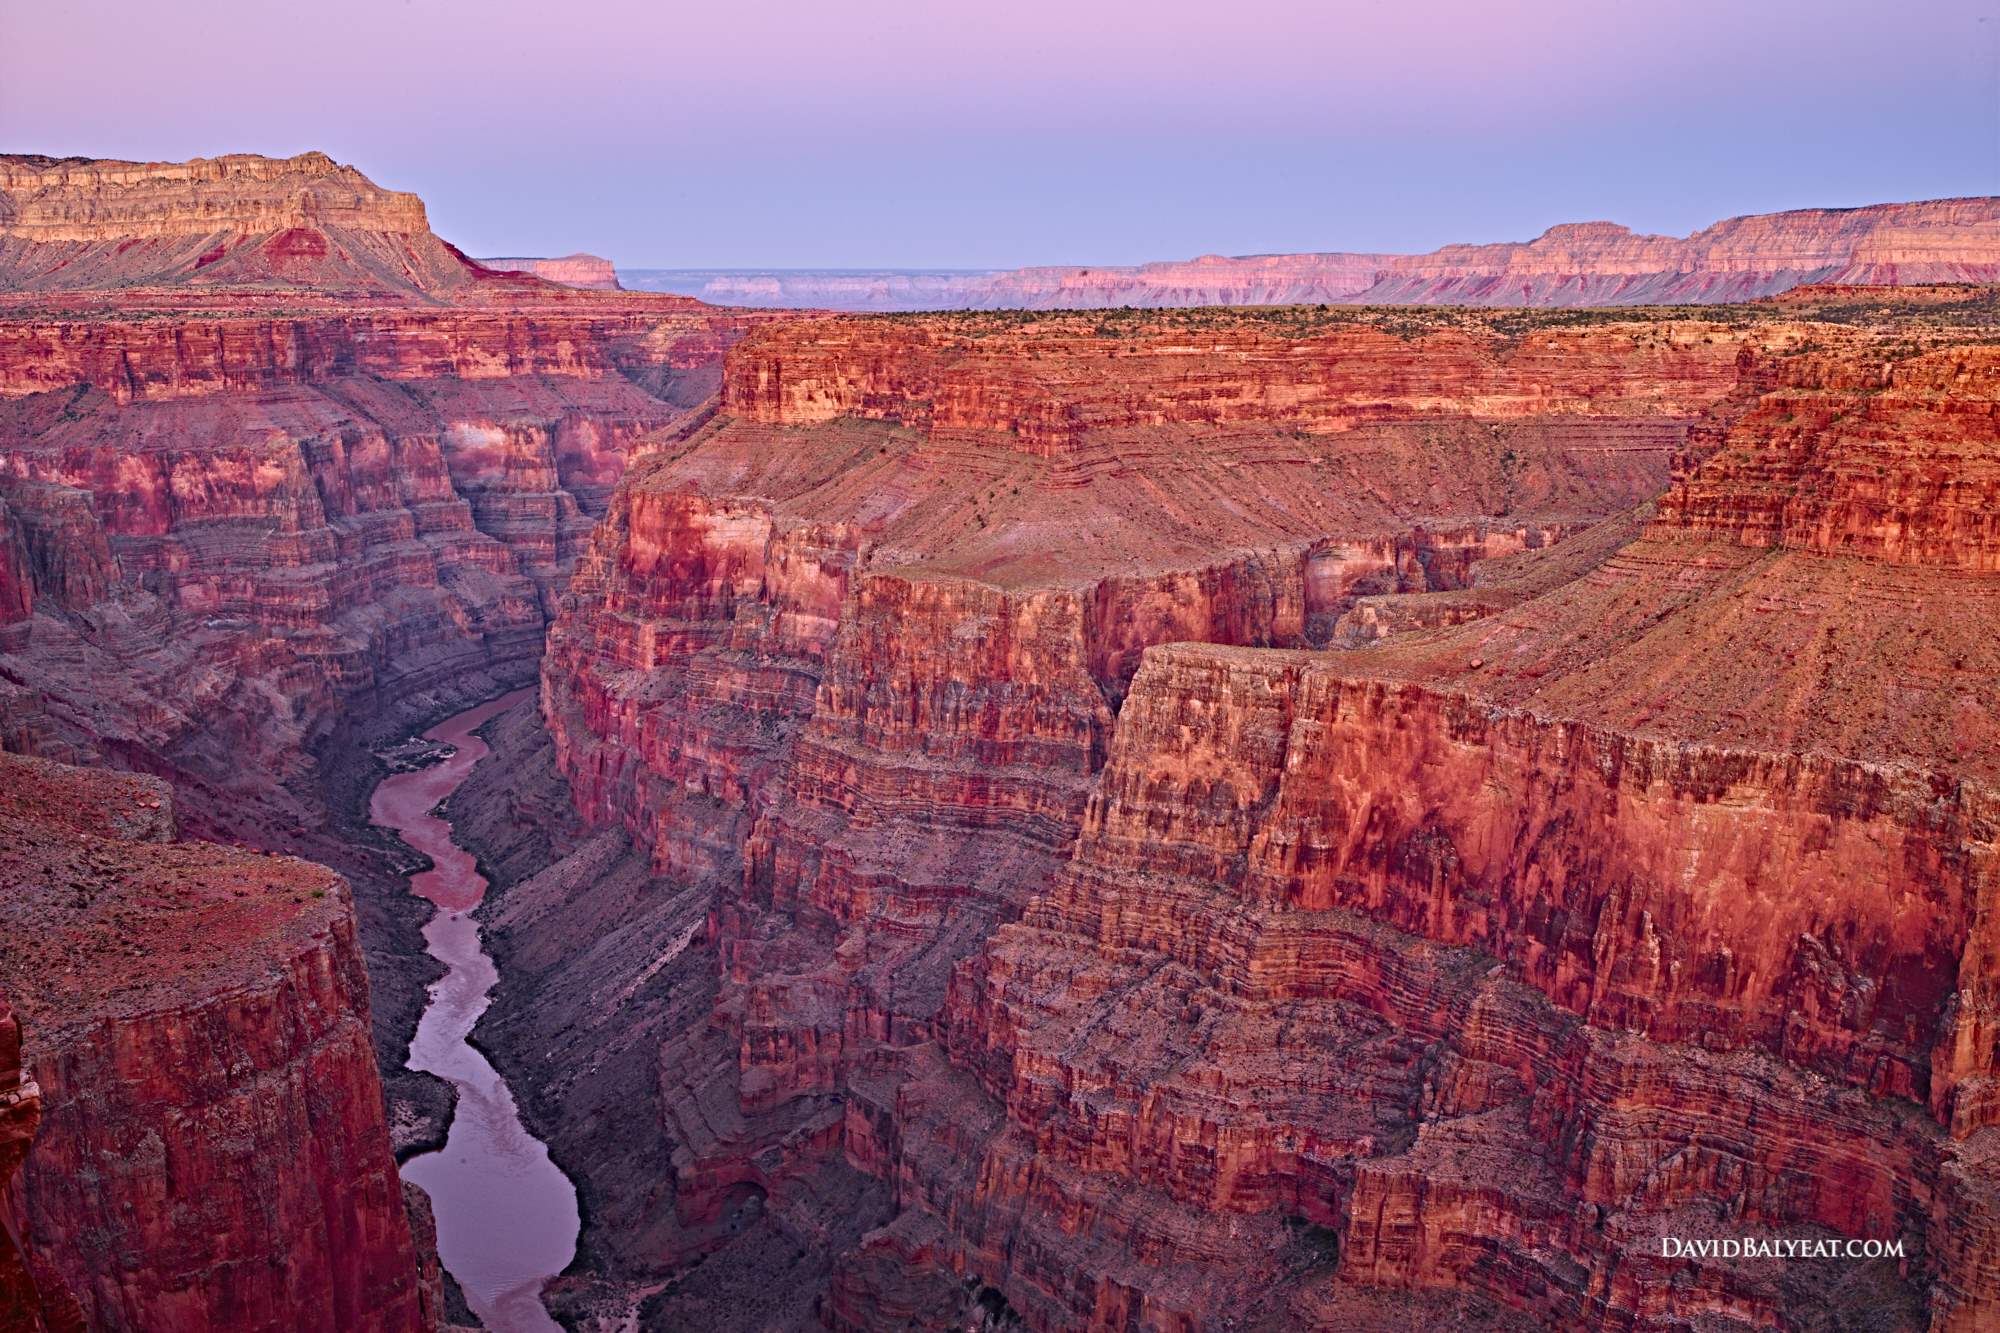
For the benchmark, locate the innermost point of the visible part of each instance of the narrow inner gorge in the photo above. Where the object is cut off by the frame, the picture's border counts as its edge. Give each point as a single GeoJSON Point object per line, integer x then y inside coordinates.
{"type": "Point", "coordinates": [506, 1215]}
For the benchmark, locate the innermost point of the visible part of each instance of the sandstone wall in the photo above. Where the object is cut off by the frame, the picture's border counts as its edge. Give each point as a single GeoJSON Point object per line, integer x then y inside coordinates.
{"type": "Point", "coordinates": [212, 1150]}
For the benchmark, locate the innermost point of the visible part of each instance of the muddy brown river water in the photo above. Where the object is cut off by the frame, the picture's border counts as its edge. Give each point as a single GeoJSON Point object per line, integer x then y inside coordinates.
{"type": "Point", "coordinates": [506, 1216]}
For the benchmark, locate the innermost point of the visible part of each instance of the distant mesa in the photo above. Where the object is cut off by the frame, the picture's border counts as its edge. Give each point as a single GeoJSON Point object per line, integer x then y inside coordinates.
{"type": "Point", "coordinates": [1572, 264]}
{"type": "Point", "coordinates": [579, 270]}
{"type": "Point", "coordinates": [241, 222]}
{"type": "Point", "coordinates": [74, 224]}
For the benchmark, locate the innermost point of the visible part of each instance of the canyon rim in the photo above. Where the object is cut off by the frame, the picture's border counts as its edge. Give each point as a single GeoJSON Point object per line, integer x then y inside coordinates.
{"type": "Point", "coordinates": [1413, 785]}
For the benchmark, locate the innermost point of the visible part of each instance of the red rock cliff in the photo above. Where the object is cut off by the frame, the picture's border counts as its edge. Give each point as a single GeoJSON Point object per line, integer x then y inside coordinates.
{"type": "Point", "coordinates": [33, 1299]}
{"type": "Point", "coordinates": [1608, 943]}
{"type": "Point", "coordinates": [212, 1151]}
{"type": "Point", "coordinates": [832, 643]}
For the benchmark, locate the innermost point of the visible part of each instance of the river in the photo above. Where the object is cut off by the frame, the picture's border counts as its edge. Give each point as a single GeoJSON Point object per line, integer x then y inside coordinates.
{"type": "Point", "coordinates": [506, 1216]}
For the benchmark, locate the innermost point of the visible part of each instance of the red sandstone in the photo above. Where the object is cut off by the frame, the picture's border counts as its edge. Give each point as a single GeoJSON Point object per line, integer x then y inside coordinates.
{"type": "Point", "coordinates": [197, 1023]}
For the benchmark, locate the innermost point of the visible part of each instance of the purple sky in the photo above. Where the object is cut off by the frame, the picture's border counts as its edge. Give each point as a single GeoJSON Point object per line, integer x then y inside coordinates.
{"type": "Point", "coordinates": [916, 133]}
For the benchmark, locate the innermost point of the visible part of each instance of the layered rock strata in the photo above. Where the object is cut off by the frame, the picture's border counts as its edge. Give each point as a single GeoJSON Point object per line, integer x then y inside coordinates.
{"type": "Point", "coordinates": [303, 222]}
{"type": "Point", "coordinates": [218, 529]}
{"type": "Point", "coordinates": [1653, 906]}
{"type": "Point", "coordinates": [1636, 890]}
{"type": "Point", "coordinates": [827, 656]}
{"type": "Point", "coordinates": [212, 1150]}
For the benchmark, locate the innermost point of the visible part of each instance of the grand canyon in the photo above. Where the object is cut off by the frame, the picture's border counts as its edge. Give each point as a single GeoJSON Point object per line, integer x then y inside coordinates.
{"type": "Point", "coordinates": [1314, 792]}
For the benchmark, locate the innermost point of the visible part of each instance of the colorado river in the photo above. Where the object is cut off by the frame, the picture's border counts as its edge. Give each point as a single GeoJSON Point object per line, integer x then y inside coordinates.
{"type": "Point", "coordinates": [506, 1217]}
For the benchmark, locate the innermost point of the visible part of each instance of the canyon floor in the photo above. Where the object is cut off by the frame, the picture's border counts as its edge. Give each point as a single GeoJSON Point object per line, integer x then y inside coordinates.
{"type": "Point", "coordinates": [1225, 818]}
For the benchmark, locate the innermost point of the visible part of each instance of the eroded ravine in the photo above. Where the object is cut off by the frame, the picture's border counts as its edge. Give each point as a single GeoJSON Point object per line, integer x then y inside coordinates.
{"type": "Point", "coordinates": [506, 1215]}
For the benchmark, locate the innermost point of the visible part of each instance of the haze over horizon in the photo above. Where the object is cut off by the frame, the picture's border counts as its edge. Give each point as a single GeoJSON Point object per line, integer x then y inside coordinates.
{"type": "Point", "coordinates": [832, 136]}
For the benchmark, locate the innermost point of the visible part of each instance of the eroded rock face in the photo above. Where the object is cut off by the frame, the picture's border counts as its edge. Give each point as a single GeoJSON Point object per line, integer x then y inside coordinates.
{"type": "Point", "coordinates": [228, 527]}
{"type": "Point", "coordinates": [212, 1151]}
{"type": "Point", "coordinates": [1235, 1009]}
{"type": "Point", "coordinates": [834, 667]}
{"type": "Point", "coordinates": [1300, 865]}
{"type": "Point", "coordinates": [1169, 987]}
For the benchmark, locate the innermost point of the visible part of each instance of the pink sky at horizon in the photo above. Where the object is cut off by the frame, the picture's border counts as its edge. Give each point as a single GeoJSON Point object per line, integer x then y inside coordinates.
{"type": "Point", "coordinates": [900, 133]}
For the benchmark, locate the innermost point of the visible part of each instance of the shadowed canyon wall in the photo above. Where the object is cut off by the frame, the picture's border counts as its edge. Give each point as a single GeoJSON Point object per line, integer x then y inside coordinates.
{"type": "Point", "coordinates": [218, 529]}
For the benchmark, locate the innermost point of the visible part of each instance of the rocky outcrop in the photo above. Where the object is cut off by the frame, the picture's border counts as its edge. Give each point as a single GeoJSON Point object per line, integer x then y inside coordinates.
{"type": "Point", "coordinates": [212, 1148]}
{"type": "Point", "coordinates": [89, 199]}
{"type": "Point", "coordinates": [578, 270]}
{"type": "Point", "coordinates": [1573, 264]}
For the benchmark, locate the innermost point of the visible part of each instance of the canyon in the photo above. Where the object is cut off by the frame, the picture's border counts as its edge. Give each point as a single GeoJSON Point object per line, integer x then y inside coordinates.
{"type": "Point", "coordinates": [1571, 264]}
{"type": "Point", "coordinates": [1319, 816]}
{"type": "Point", "coordinates": [1390, 933]}
{"type": "Point", "coordinates": [256, 519]}
{"type": "Point", "coordinates": [506, 1218]}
